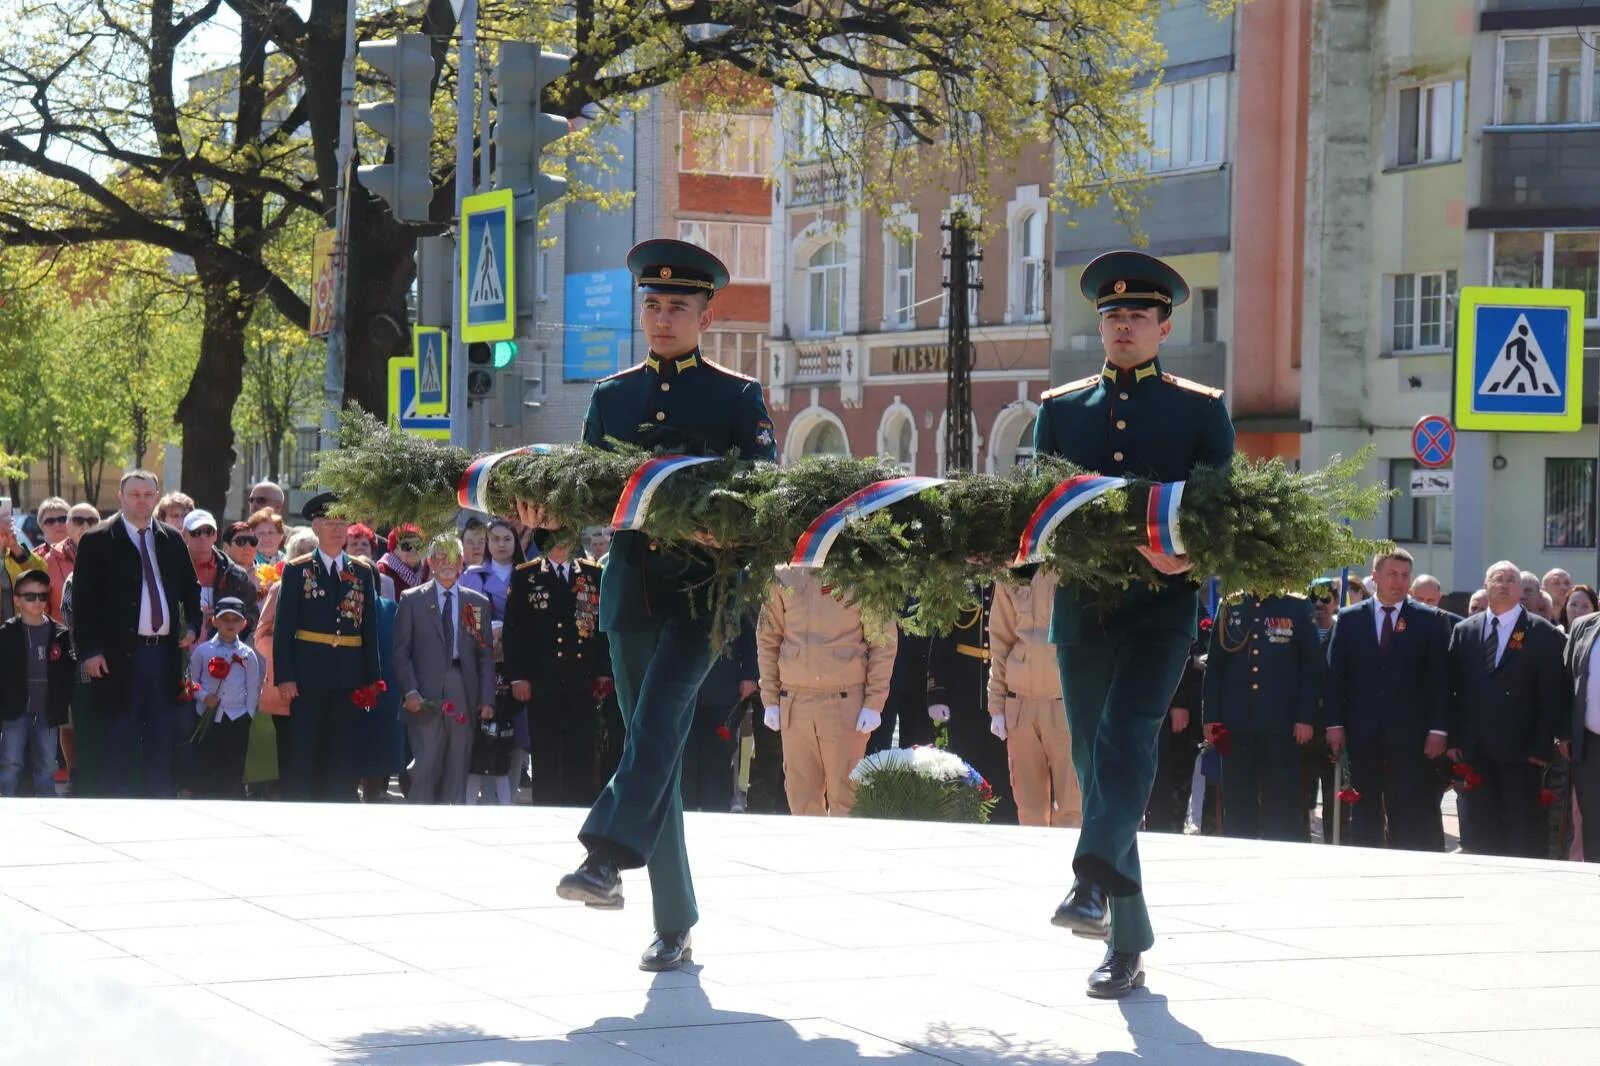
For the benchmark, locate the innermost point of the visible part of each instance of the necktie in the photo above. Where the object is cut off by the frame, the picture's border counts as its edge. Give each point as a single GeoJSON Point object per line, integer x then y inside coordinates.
{"type": "Point", "coordinates": [564, 577]}
{"type": "Point", "coordinates": [1491, 645]}
{"type": "Point", "coordinates": [1388, 629]}
{"type": "Point", "coordinates": [158, 615]}
{"type": "Point", "coordinates": [449, 622]}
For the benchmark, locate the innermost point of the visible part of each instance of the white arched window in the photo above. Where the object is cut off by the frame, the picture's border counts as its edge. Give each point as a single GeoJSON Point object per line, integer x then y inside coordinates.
{"type": "Point", "coordinates": [897, 436]}
{"type": "Point", "coordinates": [816, 431]}
{"type": "Point", "coordinates": [1011, 440]}
{"type": "Point", "coordinates": [825, 290]}
{"type": "Point", "coordinates": [824, 438]}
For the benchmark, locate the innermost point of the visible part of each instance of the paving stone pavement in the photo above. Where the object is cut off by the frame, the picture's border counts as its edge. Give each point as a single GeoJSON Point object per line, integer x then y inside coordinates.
{"type": "Point", "coordinates": [223, 933]}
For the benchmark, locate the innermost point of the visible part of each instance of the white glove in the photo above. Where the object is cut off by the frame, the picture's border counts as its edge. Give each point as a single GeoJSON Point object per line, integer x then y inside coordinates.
{"type": "Point", "coordinates": [770, 719]}
{"type": "Point", "coordinates": [939, 712]}
{"type": "Point", "coordinates": [997, 725]}
{"type": "Point", "coordinates": [868, 720]}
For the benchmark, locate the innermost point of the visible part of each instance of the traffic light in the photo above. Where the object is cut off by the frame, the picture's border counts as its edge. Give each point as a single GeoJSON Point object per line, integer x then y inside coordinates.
{"type": "Point", "coordinates": [505, 353]}
{"type": "Point", "coordinates": [405, 122]}
{"type": "Point", "coordinates": [522, 130]}
{"type": "Point", "coordinates": [480, 371]}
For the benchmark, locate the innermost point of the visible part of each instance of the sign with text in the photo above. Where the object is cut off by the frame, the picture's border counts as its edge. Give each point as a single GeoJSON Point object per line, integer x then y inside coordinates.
{"type": "Point", "coordinates": [599, 335]}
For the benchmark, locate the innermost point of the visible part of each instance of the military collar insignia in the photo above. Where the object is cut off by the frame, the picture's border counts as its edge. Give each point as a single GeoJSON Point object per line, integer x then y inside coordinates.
{"type": "Point", "coordinates": [679, 365]}
{"type": "Point", "coordinates": [1145, 372]}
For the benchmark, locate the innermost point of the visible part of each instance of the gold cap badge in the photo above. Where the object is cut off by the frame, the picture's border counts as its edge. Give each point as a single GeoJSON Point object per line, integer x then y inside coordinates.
{"type": "Point", "coordinates": [1120, 287]}
{"type": "Point", "coordinates": [666, 272]}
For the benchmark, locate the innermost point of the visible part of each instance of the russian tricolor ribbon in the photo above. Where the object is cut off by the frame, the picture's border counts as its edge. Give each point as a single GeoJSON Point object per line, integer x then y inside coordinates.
{"type": "Point", "coordinates": [811, 549]}
{"type": "Point", "coordinates": [634, 502]}
{"type": "Point", "coordinates": [1065, 498]}
{"type": "Point", "coordinates": [473, 490]}
{"type": "Point", "coordinates": [1161, 518]}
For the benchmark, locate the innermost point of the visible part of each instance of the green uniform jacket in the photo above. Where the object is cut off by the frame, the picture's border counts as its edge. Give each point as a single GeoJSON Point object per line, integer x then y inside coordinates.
{"type": "Point", "coordinates": [686, 405]}
{"type": "Point", "coordinates": [313, 603]}
{"type": "Point", "coordinates": [1136, 423]}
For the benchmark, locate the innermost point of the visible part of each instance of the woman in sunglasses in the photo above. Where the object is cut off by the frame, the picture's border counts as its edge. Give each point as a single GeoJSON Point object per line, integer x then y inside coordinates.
{"type": "Point", "coordinates": [403, 560]}
{"type": "Point", "coordinates": [239, 545]}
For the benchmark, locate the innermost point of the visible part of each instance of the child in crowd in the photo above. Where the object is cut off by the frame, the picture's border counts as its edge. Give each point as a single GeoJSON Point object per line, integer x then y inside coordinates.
{"type": "Point", "coordinates": [37, 675]}
{"type": "Point", "coordinates": [227, 673]}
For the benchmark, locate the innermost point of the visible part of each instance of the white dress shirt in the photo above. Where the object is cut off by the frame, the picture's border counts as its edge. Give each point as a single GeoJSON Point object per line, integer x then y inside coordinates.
{"type": "Point", "coordinates": [1591, 713]}
{"type": "Point", "coordinates": [145, 628]}
{"type": "Point", "coordinates": [455, 613]}
{"type": "Point", "coordinates": [1508, 621]}
{"type": "Point", "coordinates": [331, 564]}
{"type": "Point", "coordinates": [1394, 615]}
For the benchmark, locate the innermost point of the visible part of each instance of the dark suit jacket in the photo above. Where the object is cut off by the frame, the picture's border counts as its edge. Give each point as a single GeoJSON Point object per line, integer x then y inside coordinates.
{"type": "Point", "coordinates": [1520, 708]}
{"type": "Point", "coordinates": [1580, 645]}
{"type": "Point", "coordinates": [1394, 698]}
{"type": "Point", "coordinates": [108, 580]}
{"type": "Point", "coordinates": [550, 637]}
{"type": "Point", "coordinates": [62, 672]}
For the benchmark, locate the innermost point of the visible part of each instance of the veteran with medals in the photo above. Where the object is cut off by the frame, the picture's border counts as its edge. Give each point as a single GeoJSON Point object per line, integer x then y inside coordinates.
{"type": "Point", "coordinates": [324, 648]}
{"type": "Point", "coordinates": [654, 607]}
{"type": "Point", "coordinates": [1121, 658]}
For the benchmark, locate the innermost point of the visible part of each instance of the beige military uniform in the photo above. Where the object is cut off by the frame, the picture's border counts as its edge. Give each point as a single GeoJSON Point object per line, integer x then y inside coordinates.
{"type": "Point", "coordinates": [820, 667]}
{"type": "Point", "coordinates": [1025, 687]}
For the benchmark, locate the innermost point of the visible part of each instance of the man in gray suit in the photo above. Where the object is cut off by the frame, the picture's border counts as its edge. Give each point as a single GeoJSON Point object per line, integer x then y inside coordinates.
{"type": "Point", "coordinates": [444, 656]}
{"type": "Point", "coordinates": [1584, 747]}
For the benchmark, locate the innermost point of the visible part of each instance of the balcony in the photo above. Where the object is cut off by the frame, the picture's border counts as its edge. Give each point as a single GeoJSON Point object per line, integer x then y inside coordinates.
{"type": "Point", "coordinates": [816, 183]}
{"type": "Point", "coordinates": [817, 362]}
{"type": "Point", "coordinates": [1538, 177]}
{"type": "Point", "coordinates": [1536, 14]}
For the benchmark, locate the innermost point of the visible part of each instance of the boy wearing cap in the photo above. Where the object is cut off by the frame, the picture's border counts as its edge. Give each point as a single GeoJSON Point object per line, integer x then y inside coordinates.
{"type": "Point", "coordinates": [653, 607]}
{"type": "Point", "coordinates": [37, 676]}
{"type": "Point", "coordinates": [1121, 660]}
{"type": "Point", "coordinates": [228, 675]}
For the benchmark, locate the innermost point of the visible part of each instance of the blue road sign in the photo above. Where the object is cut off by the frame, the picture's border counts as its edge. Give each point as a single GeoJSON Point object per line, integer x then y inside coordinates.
{"type": "Point", "coordinates": [403, 403]}
{"type": "Point", "coordinates": [599, 337]}
{"type": "Point", "coordinates": [1519, 360]}
{"type": "Point", "coordinates": [1433, 441]}
{"type": "Point", "coordinates": [488, 267]}
{"type": "Point", "coordinates": [431, 349]}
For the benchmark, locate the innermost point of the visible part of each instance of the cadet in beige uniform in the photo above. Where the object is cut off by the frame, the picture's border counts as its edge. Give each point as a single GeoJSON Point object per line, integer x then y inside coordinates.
{"type": "Point", "coordinates": [823, 680]}
{"type": "Point", "coordinates": [1025, 708]}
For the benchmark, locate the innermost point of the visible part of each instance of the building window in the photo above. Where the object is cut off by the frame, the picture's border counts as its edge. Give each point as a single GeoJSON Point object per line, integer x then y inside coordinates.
{"type": "Point", "coordinates": [735, 145]}
{"type": "Point", "coordinates": [542, 267]}
{"type": "Point", "coordinates": [742, 246]}
{"type": "Point", "coordinates": [1566, 260]}
{"type": "Point", "coordinates": [736, 350]}
{"type": "Point", "coordinates": [900, 306]}
{"type": "Point", "coordinates": [1430, 123]}
{"type": "Point", "coordinates": [1011, 441]}
{"type": "Point", "coordinates": [1422, 311]}
{"type": "Point", "coordinates": [898, 439]}
{"type": "Point", "coordinates": [824, 438]}
{"type": "Point", "coordinates": [1030, 267]}
{"type": "Point", "coordinates": [1548, 79]}
{"type": "Point", "coordinates": [1569, 503]}
{"type": "Point", "coordinates": [825, 290]}
{"type": "Point", "coordinates": [1208, 316]}
{"type": "Point", "coordinates": [303, 455]}
{"type": "Point", "coordinates": [963, 203]}
{"type": "Point", "coordinates": [1188, 124]}
{"type": "Point", "coordinates": [897, 91]}
{"type": "Point", "coordinates": [1410, 516]}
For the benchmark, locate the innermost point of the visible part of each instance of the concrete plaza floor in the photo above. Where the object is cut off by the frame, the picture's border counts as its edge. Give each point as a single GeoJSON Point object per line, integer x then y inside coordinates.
{"type": "Point", "coordinates": [278, 933]}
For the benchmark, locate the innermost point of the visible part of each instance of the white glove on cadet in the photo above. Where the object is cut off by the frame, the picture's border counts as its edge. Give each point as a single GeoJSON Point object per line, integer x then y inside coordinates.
{"type": "Point", "coordinates": [868, 720]}
{"type": "Point", "coordinates": [997, 725]}
{"type": "Point", "coordinates": [939, 712]}
{"type": "Point", "coordinates": [770, 719]}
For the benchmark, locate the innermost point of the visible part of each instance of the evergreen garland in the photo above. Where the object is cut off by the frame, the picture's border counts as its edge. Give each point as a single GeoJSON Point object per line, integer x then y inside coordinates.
{"type": "Point", "coordinates": [1256, 525]}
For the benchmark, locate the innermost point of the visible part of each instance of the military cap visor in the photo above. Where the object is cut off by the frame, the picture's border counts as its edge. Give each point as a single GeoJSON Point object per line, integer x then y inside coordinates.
{"type": "Point", "coordinates": [666, 266]}
{"type": "Point", "coordinates": [1132, 279]}
{"type": "Point", "coordinates": [318, 506]}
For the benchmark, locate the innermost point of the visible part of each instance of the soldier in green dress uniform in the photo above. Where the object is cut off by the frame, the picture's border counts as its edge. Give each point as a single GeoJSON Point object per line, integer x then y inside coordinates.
{"type": "Point", "coordinates": [1121, 662]}
{"type": "Point", "coordinates": [653, 603]}
{"type": "Point", "coordinates": [325, 647]}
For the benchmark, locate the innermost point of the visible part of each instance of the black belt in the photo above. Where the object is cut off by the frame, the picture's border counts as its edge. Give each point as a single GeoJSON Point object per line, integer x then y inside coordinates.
{"type": "Point", "coordinates": [149, 642]}
{"type": "Point", "coordinates": [455, 664]}
{"type": "Point", "coordinates": [786, 692]}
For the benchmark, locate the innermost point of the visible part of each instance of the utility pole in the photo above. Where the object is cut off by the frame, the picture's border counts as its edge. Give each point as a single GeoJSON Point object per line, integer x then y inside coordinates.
{"type": "Point", "coordinates": [958, 381]}
{"type": "Point", "coordinates": [333, 371]}
{"type": "Point", "coordinates": [466, 78]}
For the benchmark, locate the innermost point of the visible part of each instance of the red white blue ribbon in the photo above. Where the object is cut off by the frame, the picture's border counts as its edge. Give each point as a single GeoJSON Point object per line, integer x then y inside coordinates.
{"type": "Point", "coordinates": [473, 491]}
{"type": "Point", "coordinates": [1162, 518]}
{"type": "Point", "coordinates": [811, 549]}
{"type": "Point", "coordinates": [635, 500]}
{"type": "Point", "coordinates": [1065, 498]}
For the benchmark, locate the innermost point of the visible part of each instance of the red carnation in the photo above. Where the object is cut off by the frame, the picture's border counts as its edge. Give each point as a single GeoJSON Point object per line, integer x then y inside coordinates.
{"type": "Point", "coordinates": [724, 733]}
{"type": "Point", "coordinates": [1349, 795]}
{"type": "Point", "coordinates": [449, 708]}
{"type": "Point", "coordinates": [188, 692]}
{"type": "Point", "coordinates": [1221, 740]}
{"type": "Point", "coordinates": [602, 688]}
{"type": "Point", "coordinates": [1460, 769]}
{"type": "Point", "coordinates": [218, 667]}
{"type": "Point", "coordinates": [1205, 625]}
{"type": "Point", "coordinates": [1547, 797]}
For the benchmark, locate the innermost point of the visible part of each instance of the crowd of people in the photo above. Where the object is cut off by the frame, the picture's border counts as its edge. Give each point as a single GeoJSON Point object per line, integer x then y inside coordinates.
{"type": "Point", "coordinates": [164, 653]}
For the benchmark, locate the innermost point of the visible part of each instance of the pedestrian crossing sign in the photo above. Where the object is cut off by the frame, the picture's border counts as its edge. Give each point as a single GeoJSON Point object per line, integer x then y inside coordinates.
{"type": "Point", "coordinates": [1519, 360]}
{"type": "Point", "coordinates": [488, 267]}
{"type": "Point", "coordinates": [430, 348]}
{"type": "Point", "coordinates": [403, 413]}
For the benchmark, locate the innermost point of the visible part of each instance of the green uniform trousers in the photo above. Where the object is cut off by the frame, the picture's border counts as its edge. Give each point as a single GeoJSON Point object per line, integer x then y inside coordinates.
{"type": "Point", "coordinates": [1117, 689]}
{"type": "Point", "coordinates": [638, 819]}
